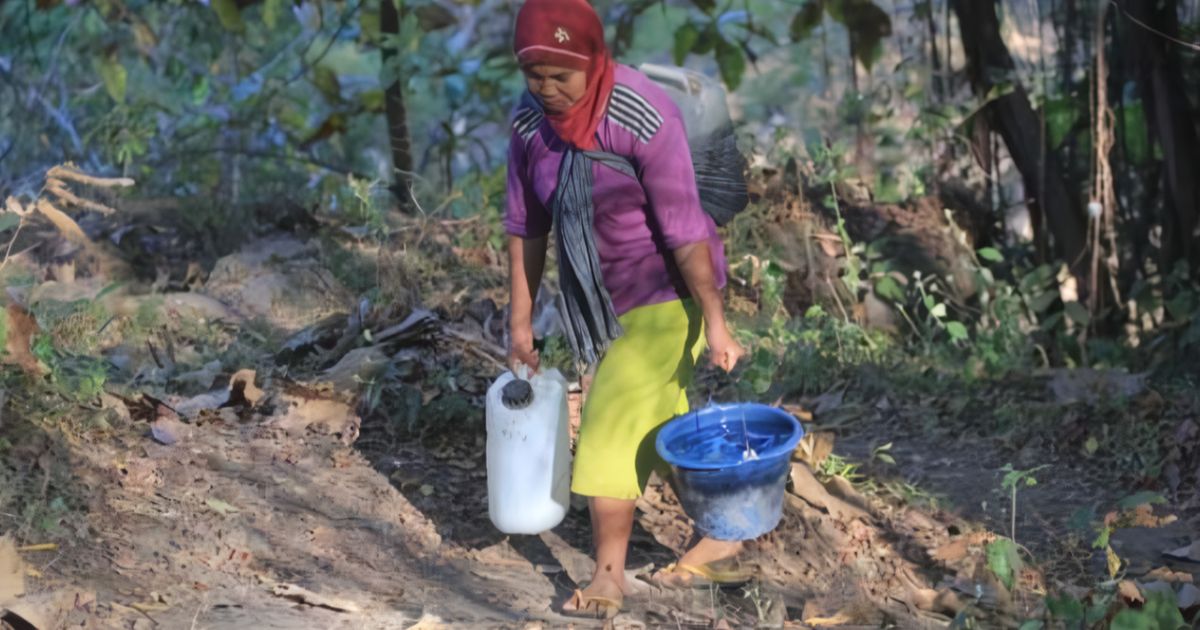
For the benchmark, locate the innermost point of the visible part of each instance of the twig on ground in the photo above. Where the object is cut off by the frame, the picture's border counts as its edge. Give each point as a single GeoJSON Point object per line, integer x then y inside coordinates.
{"type": "Point", "coordinates": [477, 340]}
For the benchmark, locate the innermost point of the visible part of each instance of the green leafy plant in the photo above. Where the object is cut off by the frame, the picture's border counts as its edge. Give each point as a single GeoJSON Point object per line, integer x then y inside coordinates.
{"type": "Point", "coordinates": [883, 453]}
{"type": "Point", "coordinates": [837, 466]}
{"type": "Point", "coordinates": [1004, 560]}
{"type": "Point", "coordinates": [868, 25]}
{"type": "Point", "coordinates": [1159, 612]}
{"type": "Point", "coordinates": [1012, 481]}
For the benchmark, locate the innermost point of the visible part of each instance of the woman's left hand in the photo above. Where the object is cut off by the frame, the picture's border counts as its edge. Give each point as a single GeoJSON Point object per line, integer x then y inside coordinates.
{"type": "Point", "coordinates": [724, 350]}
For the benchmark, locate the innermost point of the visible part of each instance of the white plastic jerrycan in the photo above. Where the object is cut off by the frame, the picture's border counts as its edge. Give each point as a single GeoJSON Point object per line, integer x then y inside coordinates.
{"type": "Point", "coordinates": [528, 452]}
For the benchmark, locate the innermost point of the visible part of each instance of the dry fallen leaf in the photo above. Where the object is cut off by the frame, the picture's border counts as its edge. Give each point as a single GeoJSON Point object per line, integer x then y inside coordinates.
{"type": "Point", "coordinates": [952, 552]}
{"type": "Point", "coordinates": [303, 595]}
{"type": "Point", "coordinates": [836, 620]}
{"type": "Point", "coordinates": [1130, 592]}
{"type": "Point", "coordinates": [301, 412]}
{"type": "Point", "coordinates": [12, 571]}
{"type": "Point", "coordinates": [429, 622]}
{"type": "Point", "coordinates": [21, 329]}
{"type": "Point", "coordinates": [1143, 516]}
{"type": "Point", "coordinates": [221, 507]}
{"type": "Point", "coordinates": [1113, 561]}
{"type": "Point", "coordinates": [242, 385]}
{"type": "Point", "coordinates": [801, 414]}
{"type": "Point", "coordinates": [1165, 574]}
{"type": "Point", "coordinates": [814, 448]}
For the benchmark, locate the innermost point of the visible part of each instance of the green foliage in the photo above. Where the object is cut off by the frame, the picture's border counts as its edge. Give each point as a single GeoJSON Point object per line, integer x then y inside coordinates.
{"type": "Point", "coordinates": [76, 377]}
{"type": "Point", "coordinates": [4, 332]}
{"type": "Point", "coordinates": [1014, 479]}
{"type": "Point", "coordinates": [837, 466]}
{"type": "Point", "coordinates": [708, 37]}
{"type": "Point", "coordinates": [115, 78]}
{"type": "Point", "coordinates": [555, 352]}
{"type": "Point", "coordinates": [827, 349]}
{"type": "Point", "coordinates": [867, 24]}
{"type": "Point", "coordinates": [1159, 612]}
{"type": "Point", "coordinates": [731, 61]}
{"type": "Point", "coordinates": [1145, 497]}
{"type": "Point", "coordinates": [1004, 560]}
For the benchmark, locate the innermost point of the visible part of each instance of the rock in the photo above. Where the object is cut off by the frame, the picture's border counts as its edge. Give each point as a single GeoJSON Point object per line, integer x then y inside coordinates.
{"type": "Point", "coordinates": [1091, 386]}
{"type": "Point", "coordinates": [1189, 597]}
{"type": "Point", "coordinates": [168, 430]}
{"type": "Point", "coordinates": [278, 280]}
{"type": "Point", "coordinates": [1191, 552]}
{"type": "Point", "coordinates": [357, 368]}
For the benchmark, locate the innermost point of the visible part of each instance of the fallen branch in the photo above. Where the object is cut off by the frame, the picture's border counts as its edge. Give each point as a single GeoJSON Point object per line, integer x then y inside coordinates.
{"type": "Point", "coordinates": [59, 189]}
{"type": "Point", "coordinates": [806, 486]}
{"type": "Point", "coordinates": [66, 172]}
{"type": "Point", "coordinates": [65, 224]}
{"type": "Point", "coordinates": [478, 341]}
{"type": "Point", "coordinates": [305, 596]}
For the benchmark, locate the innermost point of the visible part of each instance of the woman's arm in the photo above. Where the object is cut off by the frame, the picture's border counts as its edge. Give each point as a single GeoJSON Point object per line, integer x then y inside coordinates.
{"type": "Point", "coordinates": [527, 259]}
{"type": "Point", "coordinates": [695, 264]}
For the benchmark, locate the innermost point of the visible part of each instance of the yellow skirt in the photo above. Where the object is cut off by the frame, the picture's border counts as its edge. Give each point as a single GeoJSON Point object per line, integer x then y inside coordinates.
{"type": "Point", "coordinates": [639, 385]}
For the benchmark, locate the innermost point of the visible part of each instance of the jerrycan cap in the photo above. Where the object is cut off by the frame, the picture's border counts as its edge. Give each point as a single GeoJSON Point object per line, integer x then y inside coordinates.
{"type": "Point", "coordinates": [516, 394]}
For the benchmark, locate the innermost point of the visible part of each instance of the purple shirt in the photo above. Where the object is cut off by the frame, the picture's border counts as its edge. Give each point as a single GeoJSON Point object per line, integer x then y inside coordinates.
{"type": "Point", "coordinates": [637, 224]}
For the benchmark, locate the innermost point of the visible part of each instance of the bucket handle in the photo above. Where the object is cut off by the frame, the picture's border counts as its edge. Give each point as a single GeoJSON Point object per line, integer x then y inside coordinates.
{"type": "Point", "coordinates": [733, 379]}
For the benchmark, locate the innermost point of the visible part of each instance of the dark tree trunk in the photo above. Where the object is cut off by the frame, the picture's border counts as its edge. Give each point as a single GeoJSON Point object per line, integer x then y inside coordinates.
{"type": "Point", "coordinates": [395, 111]}
{"type": "Point", "coordinates": [935, 59]}
{"type": "Point", "coordinates": [1161, 83]}
{"type": "Point", "coordinates": [989, 63]}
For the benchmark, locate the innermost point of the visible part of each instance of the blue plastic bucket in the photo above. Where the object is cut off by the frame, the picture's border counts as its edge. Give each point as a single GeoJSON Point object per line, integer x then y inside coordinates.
{"type": "Point", "coordinates": [731, 464]}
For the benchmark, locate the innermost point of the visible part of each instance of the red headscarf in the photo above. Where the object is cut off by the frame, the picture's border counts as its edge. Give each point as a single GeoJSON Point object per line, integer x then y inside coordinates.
{"type": "Point", "coordinates": [568, 34]}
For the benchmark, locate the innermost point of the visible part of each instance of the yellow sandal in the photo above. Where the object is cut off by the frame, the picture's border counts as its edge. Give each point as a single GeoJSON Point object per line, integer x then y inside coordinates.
{"type": "Point", "coordinates": [702, 576]}
{"type": "Point", "coordinates": [592, 606]}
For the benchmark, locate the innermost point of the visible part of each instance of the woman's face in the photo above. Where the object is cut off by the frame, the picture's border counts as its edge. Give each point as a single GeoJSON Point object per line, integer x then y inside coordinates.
{"type": "Point", "coordinates": [557, 88]}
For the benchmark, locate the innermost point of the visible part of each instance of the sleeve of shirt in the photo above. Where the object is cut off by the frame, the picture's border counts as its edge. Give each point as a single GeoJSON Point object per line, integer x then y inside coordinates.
{"type": "Point", "coordinates": [665, 169]}
{"type": "Point", "coordinates": [525, 216]}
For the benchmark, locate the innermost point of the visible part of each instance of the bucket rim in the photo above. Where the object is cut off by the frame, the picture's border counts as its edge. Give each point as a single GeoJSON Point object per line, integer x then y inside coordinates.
{"type": "Point", "coordinates": [780, 450]}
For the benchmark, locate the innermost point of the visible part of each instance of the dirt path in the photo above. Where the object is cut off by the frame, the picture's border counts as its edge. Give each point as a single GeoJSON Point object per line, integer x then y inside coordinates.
{"type": "Point", "coordinates": [242, 525]}
{"type": "Point", "coordinates": [204, 533]}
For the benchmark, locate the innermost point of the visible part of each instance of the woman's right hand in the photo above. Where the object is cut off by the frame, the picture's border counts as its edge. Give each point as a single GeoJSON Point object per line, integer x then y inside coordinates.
{"type": "Point", "coordinates": [522, 352]}
{"type": "Point", "coordinates": [526, 258]}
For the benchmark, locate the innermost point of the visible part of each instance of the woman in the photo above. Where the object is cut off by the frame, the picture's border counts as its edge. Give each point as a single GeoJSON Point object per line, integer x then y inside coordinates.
{"type": "Point", "coordinates": [661, 260]}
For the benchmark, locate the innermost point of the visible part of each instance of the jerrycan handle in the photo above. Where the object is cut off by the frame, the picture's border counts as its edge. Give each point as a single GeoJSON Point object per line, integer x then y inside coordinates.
{"type": "Point", "coordinates": [518, 393]}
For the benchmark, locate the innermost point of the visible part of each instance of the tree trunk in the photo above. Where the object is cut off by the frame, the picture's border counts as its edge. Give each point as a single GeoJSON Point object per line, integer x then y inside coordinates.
{"type": "Point", "coordinates": [935, 59]}
{"type": "Point", "coordinates": [989, 63]}
{"type": "Point", "coordinates": [395, 110]}
{"type": "Point", "coordinates": [1161, 82]}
